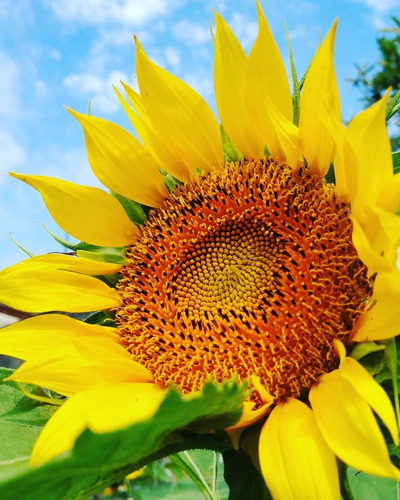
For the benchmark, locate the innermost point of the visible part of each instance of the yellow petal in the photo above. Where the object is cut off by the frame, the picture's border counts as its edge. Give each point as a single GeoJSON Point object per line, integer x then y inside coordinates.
{"type": "Point", "coordinates": [54, 261]}
{"type": "Point", "coordinates": [382, 321]}
{"type": "Point", "coordinates": [389, 197]}
{"type": "Point", "coordinates": [319, 95]}
{"type": "Point", "coordinates": [102, 409]}
{"type": "Point", "coordinates": [268, 97]}
{"type": "Point", "coordinates": [370, 390]}
{"type": "Point", "coordinates": [337, 131]}
{"type": "Point", "coordinates": [180, 116]}
{"type": "Point", "coordinates": [36, 285]}
{"type": "Point", "coordinates": [162, 152]}
{"type": "Point", "coordinates": [86, 213]}
{"type": "Point", "coordinates": [28, 338]}
{"type": "Point", "coordinates": [367, 147]}
{"type": "Point", "coordinates": [383, 231]}
{"type": "Point", "coordinates": [295, 461]}
{"type": "Point", "coordinates": [369, 256]}
{"type": "Point", "coordinates": [230, 66]}
{"type": "Point", "coordinates": [266, 65]}
{"type": "Point", "coordinates": [80, 363]}
{"type": "Point", "coordinates": [120, 162]}
{"type": "Point", "coordinates": [349, 427]}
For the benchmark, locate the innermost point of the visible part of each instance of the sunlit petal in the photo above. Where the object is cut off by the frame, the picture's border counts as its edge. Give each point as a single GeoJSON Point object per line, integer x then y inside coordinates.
{"type": "Point", "coordinates": [28, 339]}
{"type": "Point", "coordinates": [40, 285]}
{"type": "Point", "coordinates": [319, 95]}
{"type": "Point", "coordinates": [230, 66]}
{"type": "Point", "coordinates": [268, 97]}
{"type": "Point", "coordinates": [367, 148]}
{"type": "Point", "coordinates": [120, 162]}
{"type": "Point", "coordinates": [179, 115]}
{"type": "Point", "coordinates": [370, 390]}
{"type": "Point", "coordinates": [101, 410]}
{"type": "Point", "coordinates": [382, 321]}
{"type": "Point", "coordinates": [349, 427]}
{"type": "Point", "coordinates": [81, 363]}
{"type": "Point", "coordinates": [295, 461]}
{"type": "Point", "coordinates": [86, 213]}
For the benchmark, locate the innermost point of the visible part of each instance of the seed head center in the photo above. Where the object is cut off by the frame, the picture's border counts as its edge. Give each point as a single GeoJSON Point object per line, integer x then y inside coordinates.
{"type": "Point", "coordinates": [249, 270]}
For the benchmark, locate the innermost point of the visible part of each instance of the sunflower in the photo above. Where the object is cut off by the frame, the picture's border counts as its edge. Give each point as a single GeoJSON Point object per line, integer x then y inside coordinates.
{"type": "Point", "coordinates": [244, 261]}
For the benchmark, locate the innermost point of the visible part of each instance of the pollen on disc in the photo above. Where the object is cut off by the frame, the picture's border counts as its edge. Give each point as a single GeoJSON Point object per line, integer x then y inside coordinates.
{"type": "Point", "coordinates": [250, 270]}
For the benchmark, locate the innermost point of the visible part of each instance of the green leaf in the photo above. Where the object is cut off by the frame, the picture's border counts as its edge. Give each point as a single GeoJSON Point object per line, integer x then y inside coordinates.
{"type": "Point", "coordinates": [243, 478]}
{"type": "Point", "coordinates": [366, 487]}
{"type": "Point", "coordinates": [21, 420]}
{"type": "Point", "coordinates": [202, 467]}
{"type": "Point", "coordinates": [98, 460]}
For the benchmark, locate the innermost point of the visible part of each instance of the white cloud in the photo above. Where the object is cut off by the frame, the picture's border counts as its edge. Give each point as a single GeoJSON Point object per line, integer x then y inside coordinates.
{"type": "Point", "coordinates": [118, 37]}
{"type": "Point", "coordinates": [98, 90]}
{"type": "Point", "coordinates": [381, 6]}
{"type": "Point", "coordinates": [10, 104]}
{"type": "Point", "coordinates": [203, 85]}
{"type": "Point", "coordinates": [172, 56]}
{"type": "Point", "coordinates": [191, 33]}
{"type": "Point", "coordinates": [379, 9]}
{"type": "Point", "coordinates": [12, 154]}
{"type": "Point", "coordinates": [245, 29]}
{"type": "Point", "coordinates": [97, 12]}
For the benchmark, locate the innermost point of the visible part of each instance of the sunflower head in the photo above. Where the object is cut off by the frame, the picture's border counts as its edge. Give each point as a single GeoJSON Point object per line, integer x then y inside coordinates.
{"type": "Point", "coordinates": [220, 256]}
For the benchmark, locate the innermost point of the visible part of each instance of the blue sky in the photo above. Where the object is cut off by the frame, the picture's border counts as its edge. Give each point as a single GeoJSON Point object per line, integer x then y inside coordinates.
{"type": "Point", "coordinates": [67, 52]}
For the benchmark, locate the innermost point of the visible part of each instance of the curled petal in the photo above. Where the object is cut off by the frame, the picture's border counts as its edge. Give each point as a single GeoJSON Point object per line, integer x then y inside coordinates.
{"type": "Point", "coordinates": [382, 320]}
{"type": "Point", "coordinates": [349, 427]}
{"type": "Point", "coordinates": [371, 391]}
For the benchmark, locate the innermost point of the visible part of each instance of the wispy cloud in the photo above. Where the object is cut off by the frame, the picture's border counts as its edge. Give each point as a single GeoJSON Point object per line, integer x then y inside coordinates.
{"type": "Point", "coordinates": [12, 154]}
{"type": "Point", "coordinates": [98, 90]}
{"type": "Point", "coordinates": [244, 28]}
{"type": "Point", "coordinates": [97, 12]}
{"type": "Point", "coordinates": [191, 33]}
{"type": "Point", "coordinates": [10, 103]}
{"type": "Point", "coordinates": [379, 8]}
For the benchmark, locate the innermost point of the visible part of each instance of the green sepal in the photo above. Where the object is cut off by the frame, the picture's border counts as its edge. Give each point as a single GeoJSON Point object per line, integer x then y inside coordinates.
{"type": "Point", "coordinates": [231, 153]}
{"type": "Point", "coordinates": [104, 318]}
{"type": "Point", "coordinates": [113, 255]}
{"type": "Point", "coordinates": [330, 175]}
{"type": "Point", "coordinates": [98, 460]}
{"type": "Point", "coordinates": [364, 348]}
{"type": "Point", "coordinates": [21, 420]}
{"type": "Point", "coordinates": [134, 210]}
{"type": "Point", "coordinates": [103, 254]}
{"type": "Point", "coordinates": [170, 182]}
{"type": "Point", "coordinates": [296, 86]}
